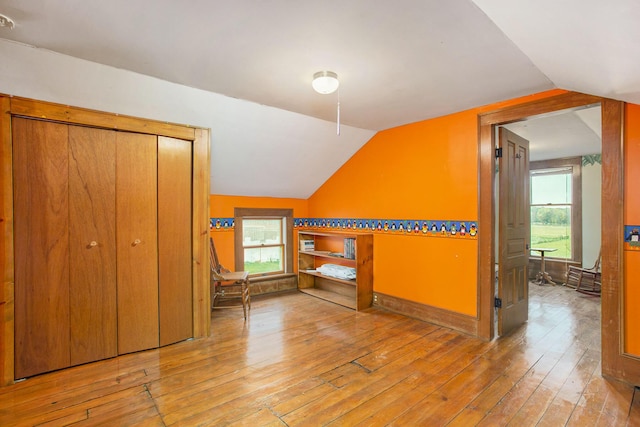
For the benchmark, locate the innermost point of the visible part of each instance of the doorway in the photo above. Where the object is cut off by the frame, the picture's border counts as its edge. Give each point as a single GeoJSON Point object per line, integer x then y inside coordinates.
{"type": "Point", "coordinates": [615, 363]}
{"type": "Point", "coordinates": [562, 216]}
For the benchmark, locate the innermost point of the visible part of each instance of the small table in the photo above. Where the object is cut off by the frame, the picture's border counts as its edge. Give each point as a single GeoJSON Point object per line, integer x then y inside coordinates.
{"type": "Point", "coordinates": [543, 276]}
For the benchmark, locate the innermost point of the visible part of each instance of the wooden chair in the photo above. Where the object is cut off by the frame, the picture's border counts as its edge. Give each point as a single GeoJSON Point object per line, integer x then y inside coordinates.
{"type": "Point", "coordinates": [591, 283]}
{"type": "Point", "coordinates": [223, 281]}
{"type": "Point", "coordinates": [586, 280]}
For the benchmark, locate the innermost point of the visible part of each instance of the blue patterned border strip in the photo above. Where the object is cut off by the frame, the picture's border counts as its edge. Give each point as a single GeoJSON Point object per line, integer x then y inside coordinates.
{"type": "Point", "coordinates": [439, 228]}
{"type": "Point", "coordinates": [407, 226]}
{"type": "Point", "coordinates": [632, 237]}
{"type": "Point", "coordinates": [221, 224]}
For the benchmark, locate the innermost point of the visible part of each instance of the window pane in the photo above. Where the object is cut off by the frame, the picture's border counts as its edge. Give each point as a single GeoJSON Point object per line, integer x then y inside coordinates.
{"type": "Point", "coordinates": [264, 260]}
{"type": "Point", "coordinates": [261, 232]}
{"type": "Point", "coordinates": [551, 228]}
{"type": "Point", "coordinates": [551, 188]}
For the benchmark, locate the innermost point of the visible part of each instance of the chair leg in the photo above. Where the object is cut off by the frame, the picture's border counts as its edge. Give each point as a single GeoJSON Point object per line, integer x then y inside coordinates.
{"type": "Point", "coordinates": [579, 282]}
{"type": "Point", "coordinates": [214, 294]}
{"type": "Point", "coordinates": [248, 295]}
{"type": "Point", "coordinates": [243, 296]}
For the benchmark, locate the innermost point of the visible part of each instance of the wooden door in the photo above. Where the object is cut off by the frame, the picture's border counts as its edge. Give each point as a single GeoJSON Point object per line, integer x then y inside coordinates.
{"type": "Point", "coordinates": [137, 242]}
{"type": "Point", "coordinates": [174, 239]}
{"type": "Point", "coordinates": [92, 235]}
{"type": "Point", "coordinates": [514, 231]}
{"type": "Point", "coordinates": [41, 242]}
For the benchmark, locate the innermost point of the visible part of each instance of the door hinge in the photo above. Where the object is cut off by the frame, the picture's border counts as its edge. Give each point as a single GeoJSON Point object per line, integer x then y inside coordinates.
{"type": "Point", "coordinates": [497, 302]}
{"type": "Point", "coordinates": [498, 153]}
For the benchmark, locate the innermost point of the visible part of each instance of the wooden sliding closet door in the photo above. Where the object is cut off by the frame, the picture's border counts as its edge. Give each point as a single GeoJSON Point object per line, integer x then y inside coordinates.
{"type": "Point", "coordinates": [137, 241]}
{"type": "Point", "coordinates": [92, 217]}
{"type": "Point", "coordinates": [41, 230]}
{"type": "Point", "coordinates": [174, 239]}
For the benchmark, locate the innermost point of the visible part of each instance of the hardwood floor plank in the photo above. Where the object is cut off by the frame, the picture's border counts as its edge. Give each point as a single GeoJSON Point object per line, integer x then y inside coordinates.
{"type": "Point", "coordinates": [299, 360]}
{"type": "Point", "coordinates": [212, 378]}
{"type": "Point", "coordinates": [474, 412]}
{"type": "Point", "coordinates": [262, 417]}
{"type": "Point", "coordinates": [363, 387]}
{"type": "Point", "coordinates": [448, 401]}
{"type": "Point", "coordinates": [520, 393]}
{"type": "Point", "coordinates": [301, 400]}
{"type": "Point", "coordinates": [80, 409]}
{"type": "Point", "coordinates": [323, 360]}
{"type": "Point", "coordinates": [565, 401]}
{"type": "Point", "coordinates": [73, 418]}
{"type": "Point", "coordinates": [544, 395]}
{"type": "Point", "coordinates": [73, 395]}
{"type": "Point", "coordinates": [136, 401]}
{"type": "Point", "coordinates": [430, 376]}
{"type": "Point", "coordinates": [418, 369]}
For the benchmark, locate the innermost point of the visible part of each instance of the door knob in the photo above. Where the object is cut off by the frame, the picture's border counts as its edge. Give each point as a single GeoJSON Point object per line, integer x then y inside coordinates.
{"type": "Point", "coordinates": [136, 242]}
{"type": "Point", "coordinates": [93, 244]}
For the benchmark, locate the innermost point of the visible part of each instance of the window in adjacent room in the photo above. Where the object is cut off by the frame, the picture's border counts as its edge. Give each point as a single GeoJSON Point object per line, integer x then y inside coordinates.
{"type": "Point", "coordinates": [263, 240]}
{"type": "Point", "coordinates": [555, 207]}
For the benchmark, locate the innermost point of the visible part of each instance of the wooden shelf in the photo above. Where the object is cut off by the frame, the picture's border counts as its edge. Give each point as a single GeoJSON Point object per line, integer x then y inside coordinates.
{"type": "Point", "coordinates": [356, 294]}
{"type": "Point", "coordinates": [335, 279]}
{"type": "Point", "coordinates": [322, 254]}
{"type": "Point", "coordinates": [331, 297]}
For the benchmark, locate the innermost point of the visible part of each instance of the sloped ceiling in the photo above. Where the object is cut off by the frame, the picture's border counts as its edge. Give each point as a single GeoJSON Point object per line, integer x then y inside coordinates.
{"type": "Point", "coordinates": [398, 62]}
{"type": "Point", "coordinates": [566, 134]}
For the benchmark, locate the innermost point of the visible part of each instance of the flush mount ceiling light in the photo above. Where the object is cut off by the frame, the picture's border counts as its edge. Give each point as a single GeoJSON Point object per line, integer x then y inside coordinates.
{"type": "Point", "coordinates": [6, 22]}
{"type": "Point", "coordinates": [325, 82]}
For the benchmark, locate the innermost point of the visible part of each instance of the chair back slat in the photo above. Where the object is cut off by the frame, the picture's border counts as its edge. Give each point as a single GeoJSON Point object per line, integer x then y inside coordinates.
{"type": "Point", "coordinates": [596, 266]}
{"type": "Point", "coordinates": [213, 257]}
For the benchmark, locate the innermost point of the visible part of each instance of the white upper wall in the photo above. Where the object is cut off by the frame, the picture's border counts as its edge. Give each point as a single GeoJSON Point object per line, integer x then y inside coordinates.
{"type": "Point", "coordinates": [591, 213]}
{"type": "Point", "coordinates": [236, 161]}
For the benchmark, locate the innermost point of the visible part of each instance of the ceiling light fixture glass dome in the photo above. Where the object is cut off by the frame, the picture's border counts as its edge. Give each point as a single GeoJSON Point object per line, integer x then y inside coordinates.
{"type": "Point", "coordinates": [325, 82]}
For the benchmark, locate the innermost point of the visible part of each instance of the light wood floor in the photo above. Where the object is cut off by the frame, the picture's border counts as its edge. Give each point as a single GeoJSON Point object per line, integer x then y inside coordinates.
{"type": "Point", "coordinates": [303, 361]}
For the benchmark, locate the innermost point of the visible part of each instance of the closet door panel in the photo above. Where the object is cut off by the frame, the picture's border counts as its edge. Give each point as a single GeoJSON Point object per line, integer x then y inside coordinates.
{"type": "Point", "coordinates": [92, 210]}
{"type": "Point", "coordinates": [41, 239]}
{"type": "Point", "coordinates": [174, 239]}
{"type": "Point", "coordinates": [137, 242]}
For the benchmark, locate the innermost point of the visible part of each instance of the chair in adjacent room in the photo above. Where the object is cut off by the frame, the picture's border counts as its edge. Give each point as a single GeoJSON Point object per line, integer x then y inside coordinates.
{"type": "Point", "coordinates": [586, 280]}
{"type": "Point", "coordinates": [224, 281]}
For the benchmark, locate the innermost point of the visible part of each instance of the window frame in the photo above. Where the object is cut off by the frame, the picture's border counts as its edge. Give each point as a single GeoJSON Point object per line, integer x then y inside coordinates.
{"type": "Point", "coordinates": [575, 163]}
{"type": "Point", "coordinates": [264, 213]}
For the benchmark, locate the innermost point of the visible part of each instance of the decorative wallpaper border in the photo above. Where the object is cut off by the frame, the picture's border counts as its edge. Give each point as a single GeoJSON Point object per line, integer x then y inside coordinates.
{"type": "Point", "coordinates": [632, 237]}
{"type": "Point", "coordinates": [221, 224]}
{"type": "Point", "coordinates": [591, 159]}
{"type": "Point", "coordinates": [440, 228]}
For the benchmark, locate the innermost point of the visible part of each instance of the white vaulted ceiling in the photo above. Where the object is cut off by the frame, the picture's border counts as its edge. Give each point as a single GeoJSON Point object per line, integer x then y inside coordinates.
{"type": "Point", "coordinates": [244, 68]}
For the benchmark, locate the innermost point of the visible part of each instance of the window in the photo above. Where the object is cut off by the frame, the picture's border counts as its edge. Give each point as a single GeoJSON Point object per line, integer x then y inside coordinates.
{"type": "Point", "coordinates": [263, 245]}
{"type": "Point", "coordinates": [555, 207]}
{"type": "Point", "coordinates": [263, 240]}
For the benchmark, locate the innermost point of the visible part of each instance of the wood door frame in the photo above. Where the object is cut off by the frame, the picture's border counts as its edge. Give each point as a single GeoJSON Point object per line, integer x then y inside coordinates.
{"type": "Point", "coordinates": [615, 363]}
{"type": "Point", "coordinates": [41, 110]}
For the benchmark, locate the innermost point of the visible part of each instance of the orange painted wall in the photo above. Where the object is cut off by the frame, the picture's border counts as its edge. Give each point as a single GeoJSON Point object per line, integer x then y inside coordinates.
{"type": "Point", "coordinates": [422, 171]}
{"type": "Point", "coordinates": [632, 217]}
{"type": "Point", "coordinates": [223, 206]}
